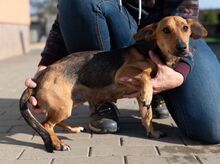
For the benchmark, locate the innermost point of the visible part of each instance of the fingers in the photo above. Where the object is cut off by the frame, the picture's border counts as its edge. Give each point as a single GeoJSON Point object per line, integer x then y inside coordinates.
{"type": "Point", "coordinates": [32, 106]}
{"type": "Point", "coordinates": [33, 101]}
{"type": "Point", "coordinates": [155, 58]}
{"type": "Point", "coordinates": [30, 83]}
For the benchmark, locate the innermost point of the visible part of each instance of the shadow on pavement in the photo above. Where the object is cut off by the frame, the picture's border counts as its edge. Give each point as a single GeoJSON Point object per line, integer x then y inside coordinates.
{"type": "Point", "coordinates": [15, 131]}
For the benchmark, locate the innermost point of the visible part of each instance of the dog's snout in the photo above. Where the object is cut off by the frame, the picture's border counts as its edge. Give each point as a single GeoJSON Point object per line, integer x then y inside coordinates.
{"type": "Point", "coordinates": [181, 46]}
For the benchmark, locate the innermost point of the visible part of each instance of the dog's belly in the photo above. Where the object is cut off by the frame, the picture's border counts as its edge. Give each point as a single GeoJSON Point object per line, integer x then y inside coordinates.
{"type": "Point", "coordinates": [108, 93]}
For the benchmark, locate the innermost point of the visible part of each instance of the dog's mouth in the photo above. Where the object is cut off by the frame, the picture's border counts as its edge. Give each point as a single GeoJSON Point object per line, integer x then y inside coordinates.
{"type": "Point", "coordinates": [183, 53]}
{"type": "Point", "coordinates": [178, 53]}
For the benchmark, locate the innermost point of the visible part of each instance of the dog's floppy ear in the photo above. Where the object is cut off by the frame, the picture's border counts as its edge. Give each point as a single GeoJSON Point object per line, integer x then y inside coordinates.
{"type": "Point", "coordinates": [145, 33]}
{"type": "Point", "coordinates": [198, 30]}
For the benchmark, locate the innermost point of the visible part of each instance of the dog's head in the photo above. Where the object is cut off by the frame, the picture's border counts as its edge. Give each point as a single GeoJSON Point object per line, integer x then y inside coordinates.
{"type": "Point", "coordinates": [172, 35]}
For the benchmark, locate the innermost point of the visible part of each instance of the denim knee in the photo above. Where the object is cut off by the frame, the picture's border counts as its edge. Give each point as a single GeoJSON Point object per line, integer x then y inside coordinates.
{"type": "Point", "coordinates": [210, 137]}
{"type": "Point", "coordinates": [207, 131]}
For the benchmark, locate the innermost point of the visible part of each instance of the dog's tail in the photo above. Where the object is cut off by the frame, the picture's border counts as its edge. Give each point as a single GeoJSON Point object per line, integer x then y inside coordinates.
{"type": "Point", "coordinates": [32, 121]}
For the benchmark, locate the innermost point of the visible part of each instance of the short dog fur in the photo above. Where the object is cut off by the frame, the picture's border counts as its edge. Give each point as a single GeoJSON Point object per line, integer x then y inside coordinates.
{"type": "Point", "coordinates": [94, 76]}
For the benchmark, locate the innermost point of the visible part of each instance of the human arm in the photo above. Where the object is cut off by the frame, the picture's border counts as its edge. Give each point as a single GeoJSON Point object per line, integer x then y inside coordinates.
{"type": "Point", "coordinates": [55, 47]}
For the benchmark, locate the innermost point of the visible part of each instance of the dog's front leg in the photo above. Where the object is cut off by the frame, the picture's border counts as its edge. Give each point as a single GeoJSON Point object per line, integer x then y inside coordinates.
{"type": "Point", "coordinates": [146, 119]}
{"type": "Point", "coordinates": [146, 93]}
{"type": "Point", "coordinates": [145, 108]}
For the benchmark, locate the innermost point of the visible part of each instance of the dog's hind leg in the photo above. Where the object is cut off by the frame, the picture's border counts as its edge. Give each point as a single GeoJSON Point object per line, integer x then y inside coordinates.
{"type": "Point", "coordinates": [56, 114]}
{"type": "Point", "coordinates": [71, 129]}
{"type": "Point", "coordinates": [49, 125]}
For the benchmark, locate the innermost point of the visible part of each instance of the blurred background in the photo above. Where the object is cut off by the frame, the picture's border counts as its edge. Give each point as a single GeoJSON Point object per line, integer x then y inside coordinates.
{"type": "Point", "coordinates": [27, 22]}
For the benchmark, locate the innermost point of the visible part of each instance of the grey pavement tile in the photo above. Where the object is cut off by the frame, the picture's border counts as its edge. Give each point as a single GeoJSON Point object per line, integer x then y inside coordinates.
{"type": "Point", "coordinates": [68, 135]}
{"type": "Point", "coordinates": [8, 122]}
{"type": "Point", "coordinates": [73, 139]}
{"type": "Point", "coordinates": [75, 142]}
{"type": "Point", "coordinates": [22, 129]}
{"type": "Point", "coordinates": [10, 117]}
{"type": "Point", "coordinates": [187, 150]}
{"type": "Point", "coordinates": [90, 160]}
{"type": "Point", "coordinates": [34, 154]}
{"type": "Point", "coordinates": [209, 158]}
{"type": "Point", "coordinates": [205, 149]}
{"type": "Point", "coordinates": [5, 129]}
{"type": "Point", "coordinates": [10, 153]}
{"type": "Point", "coordinates": [161, 160]}
{"type": "Point", "coordinates": [93, 142]}
{"type": "Point", "coordinates": [8, 161]}
{"type": "Point", "coordinates": [174, 150]}
{"type": "Point", "coordinates": [106, 136]}
{"type": "Point", "coordinates": [122, 150]}
{"type": "Point", "coordinates": [18, 140]}
{"type": "Point", "coordinates": [189, 142]}
{"type": "Point", "coordinates": [16, 136]}
{"type": "Point", "coordinates": [8, 103]}
{"type": "Point", "coordinates": [127, 104]}
{"type": "Point", "coordinates": [169, 140]}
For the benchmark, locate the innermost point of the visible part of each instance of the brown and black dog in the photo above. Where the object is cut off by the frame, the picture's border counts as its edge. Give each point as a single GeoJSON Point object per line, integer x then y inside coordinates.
{"type": "Point", "coordinates": [94, 76]}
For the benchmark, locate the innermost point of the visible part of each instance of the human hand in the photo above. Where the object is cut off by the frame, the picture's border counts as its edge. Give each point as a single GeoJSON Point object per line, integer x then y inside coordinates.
{"type": "Point", "coordinates": [31, 84]}
{"type": "Point", "coordinates": [166, 78]}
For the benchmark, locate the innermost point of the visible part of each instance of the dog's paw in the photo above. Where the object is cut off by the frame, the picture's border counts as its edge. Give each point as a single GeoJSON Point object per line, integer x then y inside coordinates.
{"type": "Point", "coordinates": [62, 147]}
{"type": "Point", "coordinates": [76, 129]}
{"type": "Point", "coordinates": [65, 147]}
{"type": "Point", "coordinates": [156, 134]}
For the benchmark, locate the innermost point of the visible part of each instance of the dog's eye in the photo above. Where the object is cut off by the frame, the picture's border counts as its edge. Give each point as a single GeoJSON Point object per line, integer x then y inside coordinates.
{"type": "Point", "coordinates": [185, 28]}
{"type": "Point", "coordinates": [166, 30]}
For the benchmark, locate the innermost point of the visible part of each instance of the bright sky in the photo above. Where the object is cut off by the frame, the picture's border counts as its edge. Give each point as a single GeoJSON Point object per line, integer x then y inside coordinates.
{"type": "Point", "coordinates": [209, 4]}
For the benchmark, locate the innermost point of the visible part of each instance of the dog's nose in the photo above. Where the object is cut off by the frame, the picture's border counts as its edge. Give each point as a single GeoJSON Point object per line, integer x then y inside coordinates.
{"type": "Point", "coordinates": [181, 46]}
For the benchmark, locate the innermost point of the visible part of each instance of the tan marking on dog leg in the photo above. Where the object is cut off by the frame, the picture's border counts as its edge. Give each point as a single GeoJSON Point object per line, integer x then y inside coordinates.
{"type": "Point", "coordinates": [147, 90]}
{"type": "Point", "coordinates": [57, 143]}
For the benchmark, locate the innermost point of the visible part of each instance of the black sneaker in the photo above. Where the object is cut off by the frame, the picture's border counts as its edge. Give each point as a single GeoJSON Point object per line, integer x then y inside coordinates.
{"type": "Point", "coordinates": [159, 107]}
{"type": "Point", "coordinates": [105, 118]}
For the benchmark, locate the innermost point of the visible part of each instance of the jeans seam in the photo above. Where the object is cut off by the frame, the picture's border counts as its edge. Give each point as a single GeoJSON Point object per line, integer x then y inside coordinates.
{"type": "Point", "coordinates": [97, 25]}
{"type": "Point", "coordinates": [98, 32]}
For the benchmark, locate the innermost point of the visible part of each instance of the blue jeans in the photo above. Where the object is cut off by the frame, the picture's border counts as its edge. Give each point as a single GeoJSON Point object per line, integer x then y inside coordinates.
{"type": "Point", "coordinates": [95, 25]}
{"type": "Point", "coordinates": [195, 105]}
{"type": "Point", "coordinates": [100, 24]}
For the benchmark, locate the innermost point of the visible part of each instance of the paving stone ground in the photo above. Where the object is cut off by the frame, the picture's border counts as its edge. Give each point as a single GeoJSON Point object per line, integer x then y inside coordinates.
{"type": "Point", "coordinates": [19, 144]}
